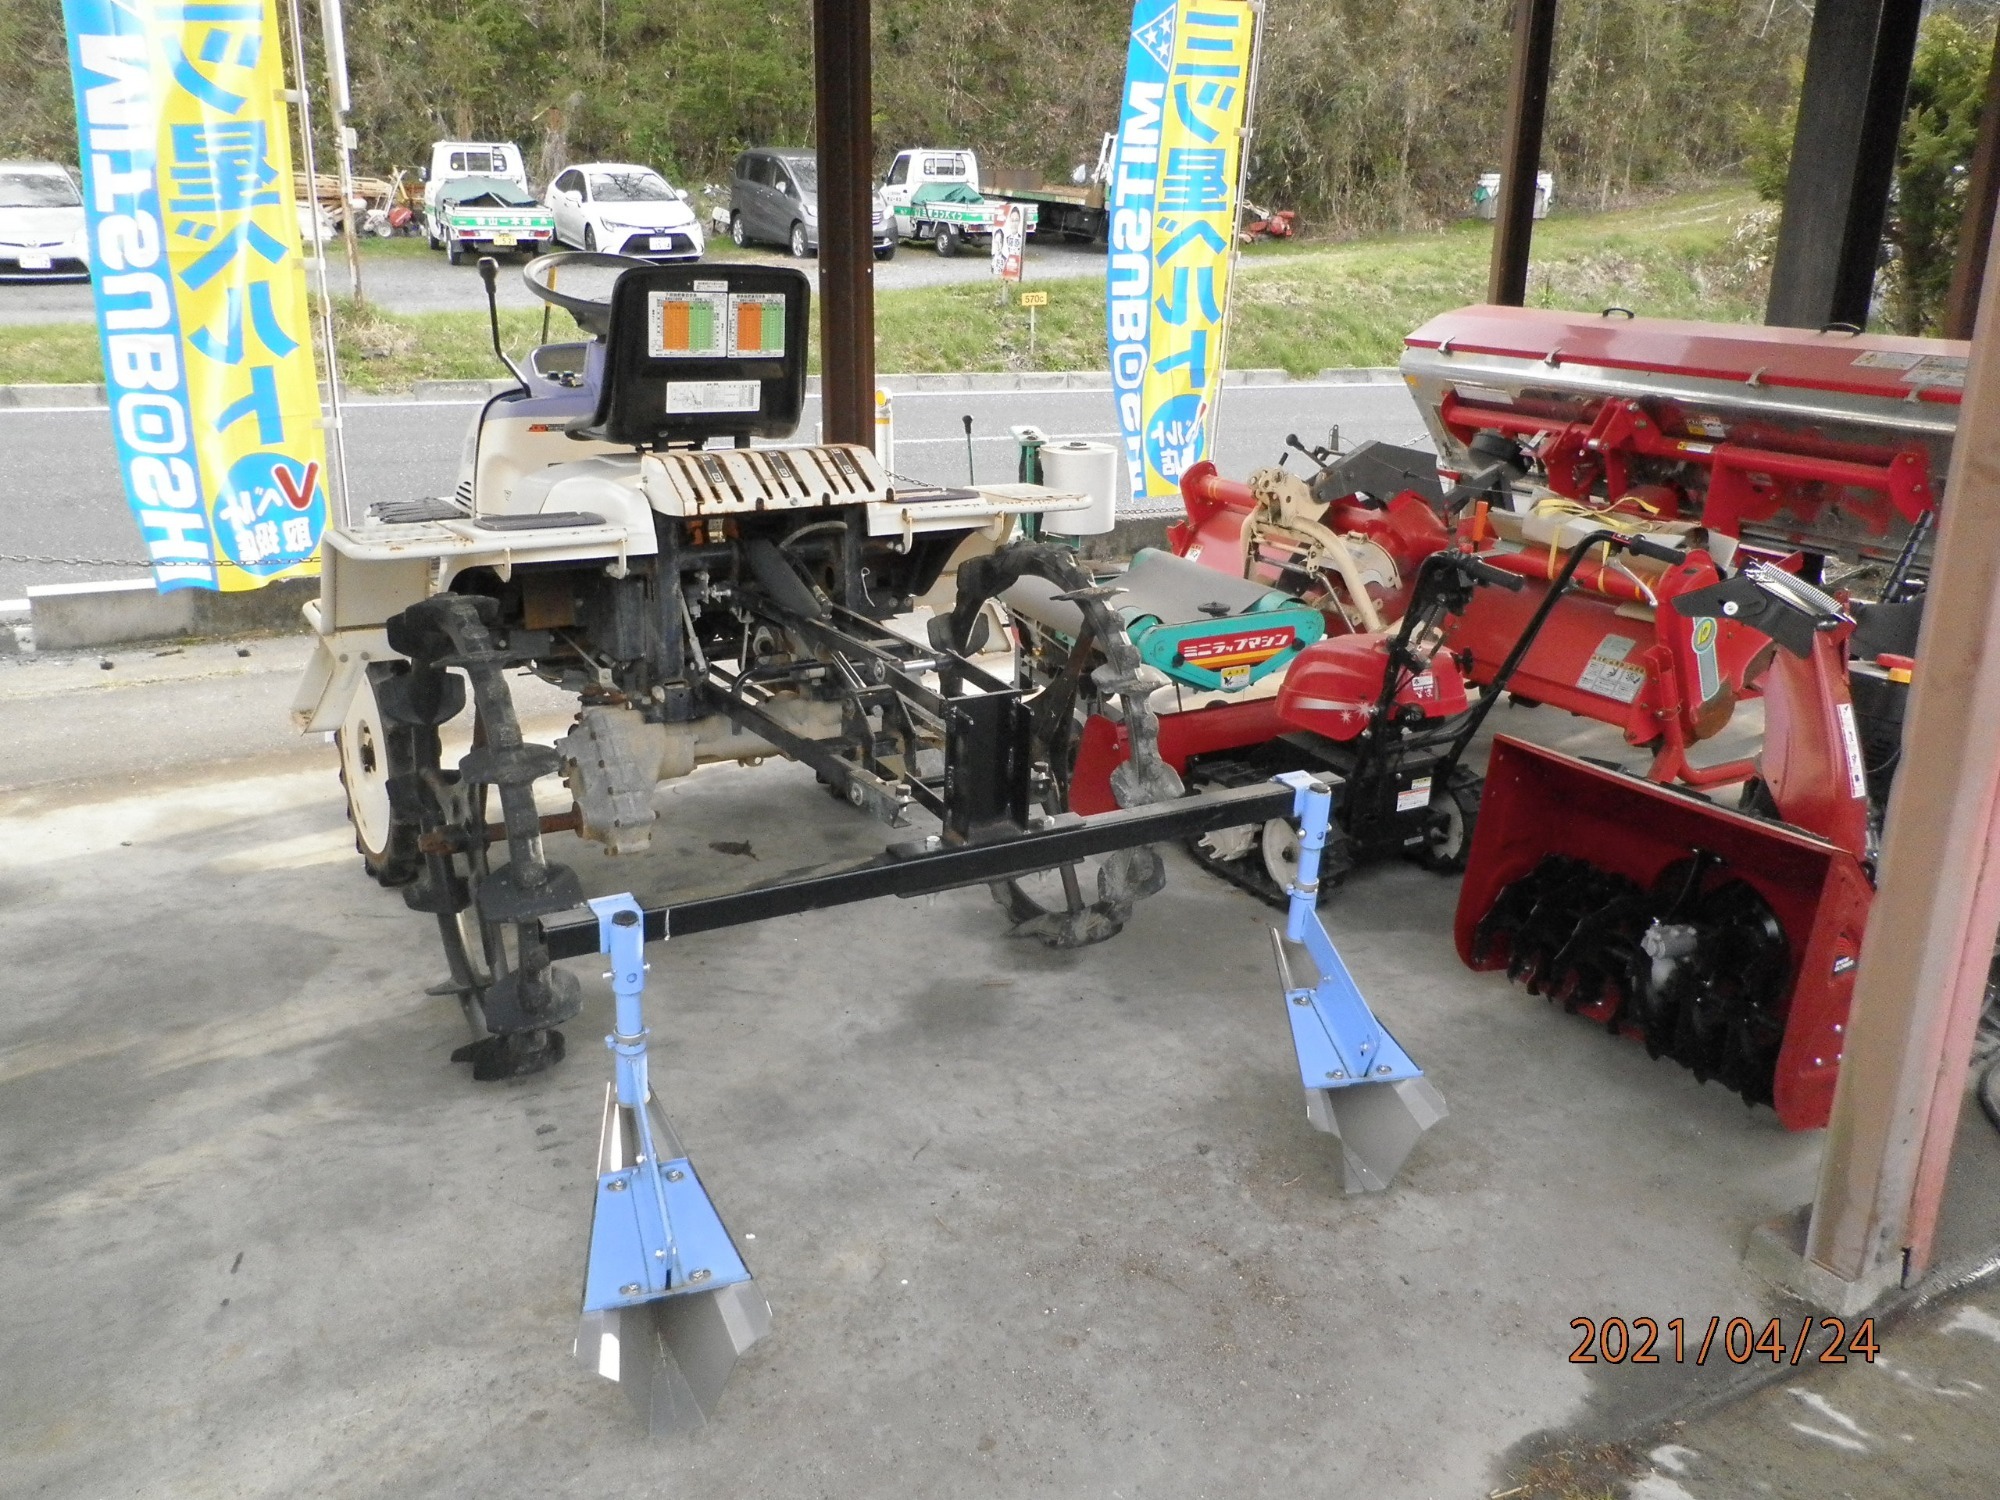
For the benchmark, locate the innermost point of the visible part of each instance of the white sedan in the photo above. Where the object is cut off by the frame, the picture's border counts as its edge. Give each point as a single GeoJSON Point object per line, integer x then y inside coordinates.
{"type": "Point", "coordinates": [42, 232]}
{"type": "Point", "coordinates": [626, 209]}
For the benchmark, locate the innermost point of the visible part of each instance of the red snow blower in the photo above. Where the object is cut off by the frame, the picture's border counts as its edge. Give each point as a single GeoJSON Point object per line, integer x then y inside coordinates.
{"type": "Point", "coordinates": [1725, 939]}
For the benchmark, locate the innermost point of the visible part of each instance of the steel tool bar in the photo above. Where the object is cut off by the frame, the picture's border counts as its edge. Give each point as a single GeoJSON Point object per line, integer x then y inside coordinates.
{"type": "Point", "coordinates": [573, 934]}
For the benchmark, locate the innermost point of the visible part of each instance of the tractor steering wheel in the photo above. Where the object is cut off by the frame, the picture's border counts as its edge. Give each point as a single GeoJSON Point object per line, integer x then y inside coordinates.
{"type": "Point", "coordinates": [592, 314]}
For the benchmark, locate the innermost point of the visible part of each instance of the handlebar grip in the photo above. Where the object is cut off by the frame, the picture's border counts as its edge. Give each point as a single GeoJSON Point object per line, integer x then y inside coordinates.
{"type": "Point", "coordinates": [1658, 551]}
{"type": "Point", "coordinates": [1498, 577]}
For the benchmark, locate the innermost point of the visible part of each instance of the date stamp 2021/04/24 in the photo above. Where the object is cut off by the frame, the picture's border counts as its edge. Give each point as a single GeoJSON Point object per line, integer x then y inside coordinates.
{"type": "Point", "coordinates": [1647, 1341]}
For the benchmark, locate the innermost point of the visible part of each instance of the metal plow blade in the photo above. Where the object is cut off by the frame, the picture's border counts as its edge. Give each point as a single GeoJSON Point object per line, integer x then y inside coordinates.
{"type": "Point", "coordinates": [668, 1305]}
{"type": "Point", "coordinates": [671, 1347]}
{"type": "Point", "coordinates": [1361, 1086]}
{"type": "Point", "coordinates": [1377, 1104]}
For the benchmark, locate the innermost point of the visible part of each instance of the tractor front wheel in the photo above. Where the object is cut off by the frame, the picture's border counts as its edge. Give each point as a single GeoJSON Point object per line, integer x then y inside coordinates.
{"type": "Point", "coordinates": [372, 749]}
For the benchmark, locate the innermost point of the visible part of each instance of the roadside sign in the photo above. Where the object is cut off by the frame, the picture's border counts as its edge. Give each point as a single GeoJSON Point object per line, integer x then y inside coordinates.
{"type": "Point", "coordinates": [1009, 239]}
{"type": "Point", "coordinates": [1034, 299]}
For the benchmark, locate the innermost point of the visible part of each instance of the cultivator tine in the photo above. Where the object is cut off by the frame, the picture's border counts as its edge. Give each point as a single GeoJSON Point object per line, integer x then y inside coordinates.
{"type": "Point", "coordinates": [1361, 1087]}
{"type": "Point", "coordinates": [668, 1305]}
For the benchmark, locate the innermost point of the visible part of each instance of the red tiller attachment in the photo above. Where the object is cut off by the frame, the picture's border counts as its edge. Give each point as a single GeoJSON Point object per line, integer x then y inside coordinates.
{"type": "Point", "coordinates": [1725, 941]}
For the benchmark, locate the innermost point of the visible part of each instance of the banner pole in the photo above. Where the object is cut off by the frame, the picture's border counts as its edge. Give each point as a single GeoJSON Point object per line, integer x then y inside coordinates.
{"type": "Point", "coordinates": [333, 32]}
{"type": "Point", "coordinates": [1244, 136]}
{"type": "Point", "coordinates": [331, 420]}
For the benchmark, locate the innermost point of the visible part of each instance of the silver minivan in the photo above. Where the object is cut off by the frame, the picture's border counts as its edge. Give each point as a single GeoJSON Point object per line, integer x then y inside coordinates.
{"type": "Point", "coordinates": [774, 200]}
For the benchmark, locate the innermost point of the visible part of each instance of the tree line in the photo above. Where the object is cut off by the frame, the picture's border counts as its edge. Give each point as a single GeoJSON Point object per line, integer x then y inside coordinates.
{"type": "Point", "coordinates": [1373, 114]}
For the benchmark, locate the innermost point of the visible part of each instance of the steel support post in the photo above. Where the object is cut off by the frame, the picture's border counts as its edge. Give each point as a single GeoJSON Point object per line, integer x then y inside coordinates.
{"type": "Point", "coordinates": [1930, 936]}
{"type": "Point", "coordinates": [841, 45]}
{"type": "Point", "coordinates": [1982, 201]}
{"type": "Point", "coordinates": [1843, 161]}
{"type": "Point", "coordinates": [1521, 160]}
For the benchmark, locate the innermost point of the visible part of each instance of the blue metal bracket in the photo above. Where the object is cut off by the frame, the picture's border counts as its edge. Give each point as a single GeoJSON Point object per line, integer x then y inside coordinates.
{"type": "Point", "coordinates": [1336, 1036]}
{"type": "Point", "coordinates": [654, 1233]}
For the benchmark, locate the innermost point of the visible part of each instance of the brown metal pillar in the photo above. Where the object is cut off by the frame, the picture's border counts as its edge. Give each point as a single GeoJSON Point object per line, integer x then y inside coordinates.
{"type": "Point", "coordinates": [846, 246]}
{"type": "Point", "coordinates": [1930, 936]}
{"type": "Point", "coordinates": [1527, 106]}
{"type": "Point", "coordinates": [1982, 200]}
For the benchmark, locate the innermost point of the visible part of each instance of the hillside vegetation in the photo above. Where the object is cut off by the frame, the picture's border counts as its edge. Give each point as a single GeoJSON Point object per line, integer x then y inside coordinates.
{"type": "Point", "coordinates": [1374, 114]}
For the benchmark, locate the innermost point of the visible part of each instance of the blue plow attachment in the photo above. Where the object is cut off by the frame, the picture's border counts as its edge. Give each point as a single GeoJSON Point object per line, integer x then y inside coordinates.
{"type": "Point", "coordinates": [668, 1305]}
{"type": "Point", "coordinates": [1361, 1087]}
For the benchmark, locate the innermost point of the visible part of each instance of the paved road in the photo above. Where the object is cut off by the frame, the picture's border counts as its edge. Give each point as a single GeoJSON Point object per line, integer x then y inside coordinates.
{"type": "Point", "coordinates": [60, 497]}
{"type": "Point", "coordinates": [415, 283]}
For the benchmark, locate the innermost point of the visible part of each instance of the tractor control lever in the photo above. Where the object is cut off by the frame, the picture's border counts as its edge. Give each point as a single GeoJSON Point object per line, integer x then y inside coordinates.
{"type": "Point", "coordinates": [489, 272]}
{"type": "Point", "coordinates": [1320, 456]}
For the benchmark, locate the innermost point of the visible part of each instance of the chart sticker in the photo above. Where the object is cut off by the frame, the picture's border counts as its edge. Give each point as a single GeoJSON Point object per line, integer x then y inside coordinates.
{"type": "Point", "coordinates": [697, 398]}
{"type": "Point", "coordinates": [686, 325]}
{"type": "Point", "coordinates": [1609, 674]}
{"type": "Point", "coordinates": [757, 324]}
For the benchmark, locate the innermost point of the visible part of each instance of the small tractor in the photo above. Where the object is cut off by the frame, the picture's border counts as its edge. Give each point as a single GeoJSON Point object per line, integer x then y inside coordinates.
{"type": "Point", "coordinates": [629, 527]}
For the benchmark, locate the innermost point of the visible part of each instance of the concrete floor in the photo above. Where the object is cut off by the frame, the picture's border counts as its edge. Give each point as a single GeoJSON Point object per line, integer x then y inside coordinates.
{"type": "Point", "coordinates": [1029, 1223]}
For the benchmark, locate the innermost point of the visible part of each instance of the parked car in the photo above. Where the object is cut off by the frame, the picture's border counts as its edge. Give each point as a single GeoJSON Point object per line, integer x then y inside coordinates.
{"type": "Point", "coordinates": [631, 210]}
{"type": "Point", "coordinates": [477, 214]}
{"type": "Point", "coordinates": [774, 200]}
{"type": "Point", "coordinates": [42, 230]}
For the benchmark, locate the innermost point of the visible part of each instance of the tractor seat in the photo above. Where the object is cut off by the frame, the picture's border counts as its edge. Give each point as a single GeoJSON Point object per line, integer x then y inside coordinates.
{"type": "Point", "coordinates": [695, 353]}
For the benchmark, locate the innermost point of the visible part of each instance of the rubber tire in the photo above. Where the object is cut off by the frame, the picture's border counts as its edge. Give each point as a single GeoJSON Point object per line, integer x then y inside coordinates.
{"type": "Point", "coordinates": [946, 239]}
{"type": "Point", "coordinates": [378, 748]}
{"type": "Point", "coordinates": [798, 245]}
{"type": "Point", "coordinates": [1460, 803]}
{"type": "Point", "coordinates": [738, 235]}
{"type": "Point", "coordinates": [590, 237]}
{"type": "Point", "coordinates": [886, 252]}
{"type": "Point", "coordinates": [1278, 851]}
{"type": "Point", "coordinates": [453, 254]}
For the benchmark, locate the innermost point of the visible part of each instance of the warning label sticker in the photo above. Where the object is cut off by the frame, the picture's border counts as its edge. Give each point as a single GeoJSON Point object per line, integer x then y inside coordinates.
{"type": "Point", "coordinates": [1608, 674]}
{"type": "Point", "coordinates": [1417, 794]}
{"type": "Point", "coordinates": [1886, 359]}
{"type": "Point", "coordinates": [1946, 370]}
{"type": "Point", "coordinates": [1850, 742]}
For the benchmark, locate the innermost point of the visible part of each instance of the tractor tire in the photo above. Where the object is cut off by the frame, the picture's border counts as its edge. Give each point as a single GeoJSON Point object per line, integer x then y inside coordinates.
{"type": "Point", "coordinates": [738, 235]}
{"type": "Point", "coordinates": [798, 246]}
{"type": "Point", "coordinates": [1455, 809]}
{"type": "Point", "coordinates": [946, 239]}
{"type": "Point", "coordinates": [372, 749]}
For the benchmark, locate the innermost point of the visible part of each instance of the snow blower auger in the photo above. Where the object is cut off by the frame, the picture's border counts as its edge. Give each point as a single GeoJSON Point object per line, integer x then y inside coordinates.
{"type": "Point", "coordinates": [1724, 939]}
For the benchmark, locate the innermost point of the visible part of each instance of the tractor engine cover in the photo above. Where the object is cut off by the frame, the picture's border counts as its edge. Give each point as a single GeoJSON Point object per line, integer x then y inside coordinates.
{"type": "Point", "coordinates": [1333, 687]}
